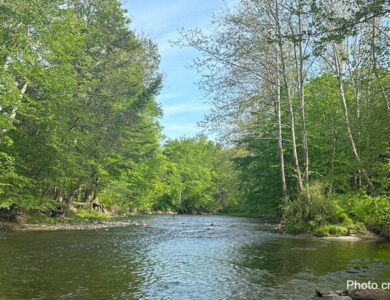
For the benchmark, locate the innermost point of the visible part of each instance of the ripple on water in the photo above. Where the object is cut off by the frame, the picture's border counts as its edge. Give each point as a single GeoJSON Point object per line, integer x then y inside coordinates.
{"type": "Point", "coordinates": [182, 257]}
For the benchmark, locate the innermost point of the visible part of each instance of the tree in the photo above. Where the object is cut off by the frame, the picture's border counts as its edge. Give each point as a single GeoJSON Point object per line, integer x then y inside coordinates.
{"type": "Point", "coordinates": [88, 114]}
{"type": "Point", "coordinates": [199, 176]}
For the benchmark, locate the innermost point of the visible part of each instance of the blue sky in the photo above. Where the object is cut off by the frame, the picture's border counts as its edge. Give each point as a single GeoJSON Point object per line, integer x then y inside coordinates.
{"type": "Point", "coordinates": [160, 20]}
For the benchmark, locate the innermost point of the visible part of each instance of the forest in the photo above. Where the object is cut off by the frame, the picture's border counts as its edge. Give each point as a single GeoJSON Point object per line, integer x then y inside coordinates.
{"type": "Point", "coordinates": [299, 91]}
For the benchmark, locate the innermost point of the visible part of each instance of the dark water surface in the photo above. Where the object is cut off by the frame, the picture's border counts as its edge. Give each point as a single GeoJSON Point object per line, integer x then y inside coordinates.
{"type": "Point", "coordinates": [182, 257]}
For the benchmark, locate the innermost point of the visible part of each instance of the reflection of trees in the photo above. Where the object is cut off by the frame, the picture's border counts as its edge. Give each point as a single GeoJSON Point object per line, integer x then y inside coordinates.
{"type": "Point", "coordinates": [284, 258]}
{"type": "Point", "coordinates": [122, 263]}
{"type": "Point", "coordinates": [84, 264]}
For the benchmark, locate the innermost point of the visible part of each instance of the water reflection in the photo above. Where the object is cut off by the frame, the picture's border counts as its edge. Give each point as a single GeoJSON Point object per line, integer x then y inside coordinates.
{"type": "Point", "coordinates": [295, 267]}
{"type": "Point", "coordinates": [69, 264]}
{"type": "Point", "coordinates": [182, 257]}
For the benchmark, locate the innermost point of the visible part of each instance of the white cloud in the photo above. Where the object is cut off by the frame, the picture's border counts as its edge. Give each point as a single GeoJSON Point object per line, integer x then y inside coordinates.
{"type": "Point", "coordinates": [168, 96]}
{"type": "Point", "coordinates": [194, 105]}
{"type": "Point", "coordinates": [157, 17]}
{"type": "Point", "coordinates": [181, 127]}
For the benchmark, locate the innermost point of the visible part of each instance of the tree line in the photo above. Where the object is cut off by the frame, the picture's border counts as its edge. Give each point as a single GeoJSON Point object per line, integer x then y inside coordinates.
{"type": "Point", "coordinates": [300, 97]}
{"type": "Point", "coordinates": [300, 88]}
{"type": "Point", "coordinates": [79, 120]}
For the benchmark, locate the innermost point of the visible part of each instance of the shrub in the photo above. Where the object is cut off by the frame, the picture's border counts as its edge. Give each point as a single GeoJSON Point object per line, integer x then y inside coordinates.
{"type": "Point", "coordinates": [315, 208]}
{"type": "Point", "coordinates": [331, 214]}
{"type": "Point", "coordinates": [330, 230]}
{"type": "Point", "coordinates": [89, 214]}
{"type": "Point", "coordinates": [319, 212]}
{"type": "Point", "coordinates": [374, 212]}
{"type": "Point", "coordinates": [297, 227]}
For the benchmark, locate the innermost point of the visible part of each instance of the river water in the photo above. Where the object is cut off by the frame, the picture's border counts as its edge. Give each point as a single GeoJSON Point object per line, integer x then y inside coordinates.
{"type": "Point", "coordinates": [183, 257]}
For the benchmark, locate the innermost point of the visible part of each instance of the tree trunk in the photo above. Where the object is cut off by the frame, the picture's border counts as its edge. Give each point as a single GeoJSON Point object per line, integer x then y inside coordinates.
{"type": "Point", "coordinates": [304, 138]}
{"type": "Point", "coordinates": [14, 110]}
{"type": "Point", "coordinates": [95, 201]}
{"type": "Point", "coordinates": [346, 117]}
{"type": "Point", "coordinates": [375, 67]}
{"type": "Point", "coordinates": [79, 195]}
{"type": "Point", "coordinates": [289, 101]}
{"type": "Point", "coordinates": [7, 61]}
{"type": "Point", "coordinates": [333, 157]}
{"type": "Point", "coordinates": [96, 195]}
{"type": "Point", "coordinates": [280, 140]}
{"type": "Point", "coordinates": [87, 194]}
{"type": "Point", "coordinates": [75, 192]}
{"type": "Point", "coordinates": [301, 94]}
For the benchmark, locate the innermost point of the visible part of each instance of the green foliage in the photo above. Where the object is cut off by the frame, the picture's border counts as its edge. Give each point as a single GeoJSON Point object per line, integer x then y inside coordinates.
{"type": "Point", "coordinates": [191, 175]}
{"type": "Point", "coordinates": [297, 227]}
{"type": "Point", "coordinates": [79, 121]}
{"type": "Point", "coordinates": [331, 230]}
{"type": "Point", "coordinates": [89, 215]}
{"type": "Point", "coordinates": [258, 169]}
{"type": "Point", "coordinates": [320, 211]}
{"type": "Point", "coordinates": [115, 194]}
{"type": "Point", "coordinates": [302, 90]}
{"type": "Point", "coordinates": [87, 119]}
{"type": "Point", "coordinates": [40, 218]}
{"type": "Point", "coordinates": [373, 212]}
{"type": "Point", "coordinates": [325, 213]}
{"type": "Point", "coordinates": [199, 176]}
{"type": "Point", "coordinates": [313, 206]}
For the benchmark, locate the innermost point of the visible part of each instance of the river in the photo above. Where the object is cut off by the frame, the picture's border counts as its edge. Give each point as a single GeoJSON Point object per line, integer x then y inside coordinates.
{"type": "Point", "coordinates": [182, 257]}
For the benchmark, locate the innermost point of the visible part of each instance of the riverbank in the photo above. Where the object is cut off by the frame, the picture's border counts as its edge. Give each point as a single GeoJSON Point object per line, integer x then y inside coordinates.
{"type": "Point", "coordinates": [78, 220]}
{"type": "Point", "coordinates": [345, 238]}
{"type": "Point", "coordinates": [95, 225]}
{"type": "Point", "coordinates": [89, 219]}
{"type": "Point", "coordinates": [68, 224]}
{"type": "Point", "coordinates": [106, 221]}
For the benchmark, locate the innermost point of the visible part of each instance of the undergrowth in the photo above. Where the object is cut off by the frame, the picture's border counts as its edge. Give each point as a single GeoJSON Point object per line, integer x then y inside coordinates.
{"type": "Point", "coordinates": [318, 211]}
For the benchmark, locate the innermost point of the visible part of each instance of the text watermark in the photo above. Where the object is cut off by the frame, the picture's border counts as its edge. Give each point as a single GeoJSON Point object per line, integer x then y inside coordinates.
{"type": "Point", "coordinates": [368, 285]}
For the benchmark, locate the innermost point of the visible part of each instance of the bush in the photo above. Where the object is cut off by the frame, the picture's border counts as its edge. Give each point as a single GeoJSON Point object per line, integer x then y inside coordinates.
{"type": "Point", "coordinates": [40, 218]}
{"type": "Point", "coordinates": [314, 209]}
{"type": "Point", "coordinates": [116, 194]}
{"type": "Point", "coordinates": [88, 215]}
{"type": "Point", "coordinates": [323, 213]}
{"type": "Point", "coordinates": [331, 214]}
{"type": "Point", "coordinates": [373, 212]}
{"type": "Point", "coordinates": [297, 227]}
{"type": "Point", "coordinates": [330, 230]}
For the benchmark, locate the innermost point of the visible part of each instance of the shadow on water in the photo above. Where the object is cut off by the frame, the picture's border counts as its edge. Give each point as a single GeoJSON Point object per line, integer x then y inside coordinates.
{"type": "Point", "coordinates": [70, 264]}
{"type": "Point", "coordinates": [182, 257]}
{"type": "Point", "coordinates": [294, 267]}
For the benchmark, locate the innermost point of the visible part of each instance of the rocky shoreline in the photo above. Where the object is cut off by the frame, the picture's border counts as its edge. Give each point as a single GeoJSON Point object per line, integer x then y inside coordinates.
{"type": "Point", "coordinates": [370, 236]}
{"type": "Point", "coordinates": [112, 221]}
{"type": "Point", "coordinates": [14, 227]}
{"type": "Point", "coordinates": [81, 226]}
{"type": "Point", "coordinates": [345, 238]}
